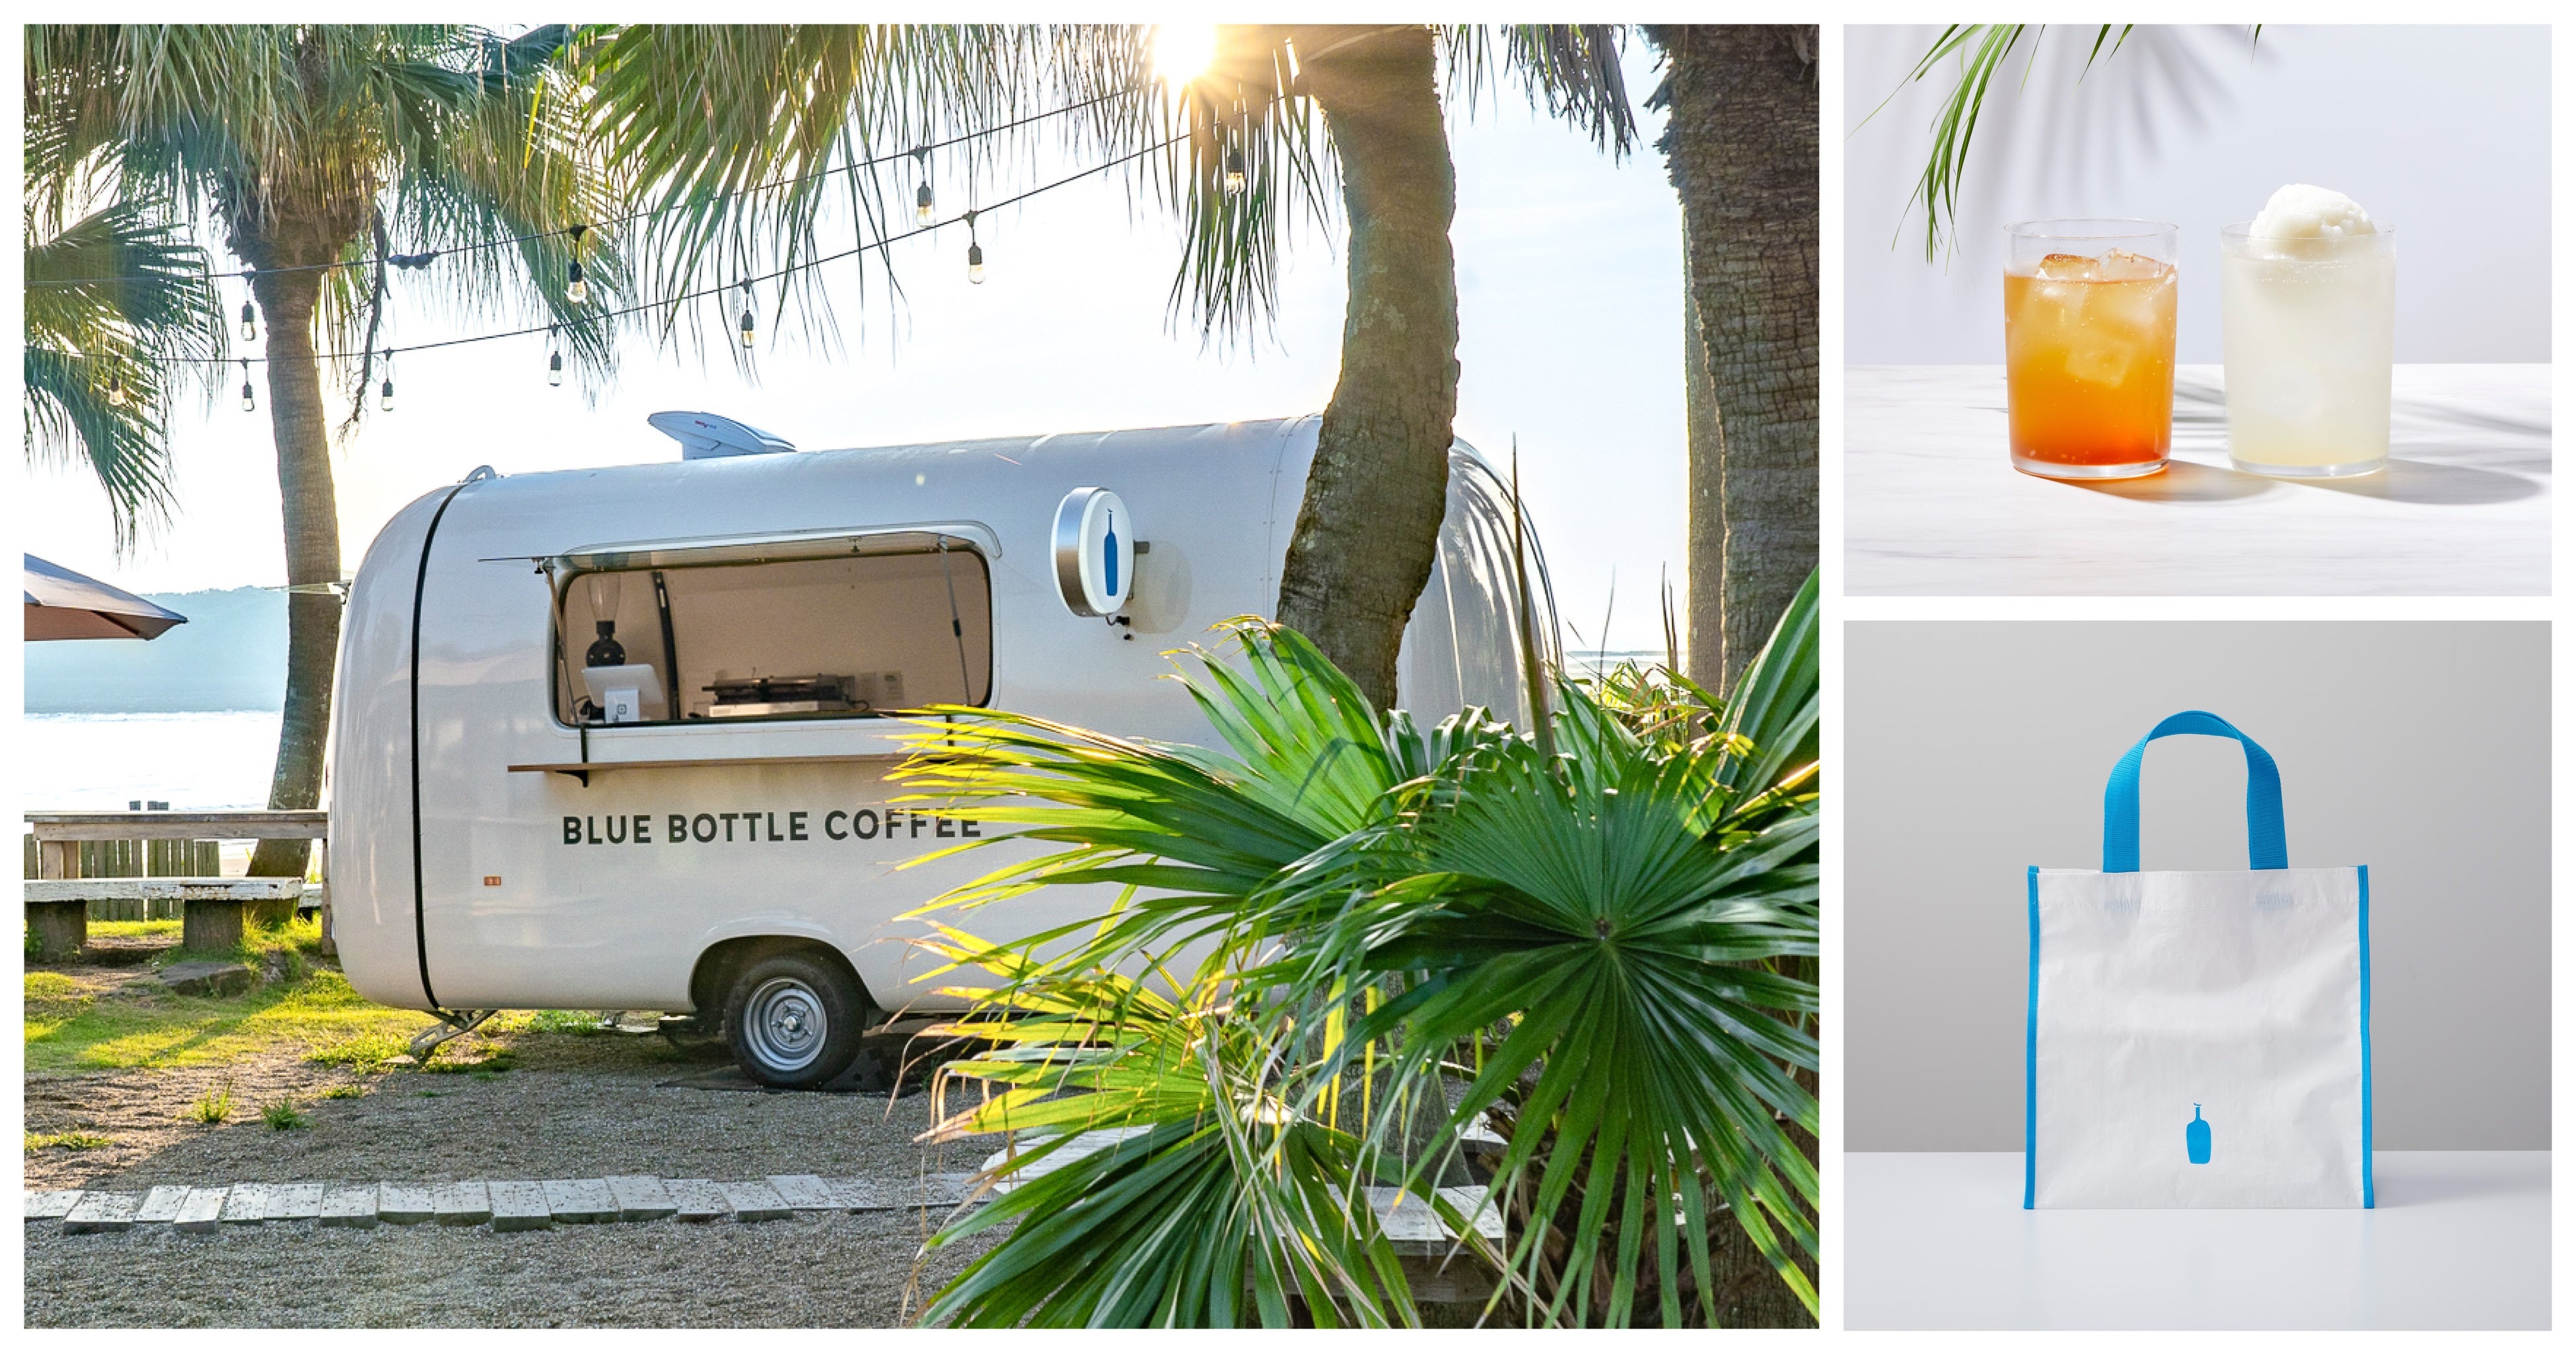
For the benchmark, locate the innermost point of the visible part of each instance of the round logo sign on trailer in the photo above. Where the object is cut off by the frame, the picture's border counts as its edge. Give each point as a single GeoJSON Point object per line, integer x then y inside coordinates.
{"type": "Point", "coordinates": [1095, 552]}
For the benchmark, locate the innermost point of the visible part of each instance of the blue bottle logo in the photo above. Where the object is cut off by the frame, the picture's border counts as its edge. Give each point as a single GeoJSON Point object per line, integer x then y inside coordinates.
{"type": "Point", "coordinates": [2195, 1137]}
{"type": "Point", "coordinates": [1109, 556]}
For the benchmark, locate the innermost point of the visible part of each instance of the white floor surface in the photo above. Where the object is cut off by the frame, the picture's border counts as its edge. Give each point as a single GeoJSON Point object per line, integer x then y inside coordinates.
{"type": "Point", "coordinates": [1939, 1240]}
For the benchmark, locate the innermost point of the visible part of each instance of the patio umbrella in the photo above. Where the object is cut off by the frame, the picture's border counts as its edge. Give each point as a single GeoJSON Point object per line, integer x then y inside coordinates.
{"type": "Point", "coordinates": [62, 604]}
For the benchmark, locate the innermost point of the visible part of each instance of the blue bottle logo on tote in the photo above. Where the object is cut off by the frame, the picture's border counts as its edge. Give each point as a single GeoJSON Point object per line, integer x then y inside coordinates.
{"type": "Point", "coordinates": [2195, 1137]}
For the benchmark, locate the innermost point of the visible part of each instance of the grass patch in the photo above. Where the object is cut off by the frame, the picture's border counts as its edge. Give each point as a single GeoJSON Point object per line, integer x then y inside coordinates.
{"type": "Point", "coordinates": [482, 1070]}
{"type": "Point", "coordinates": [67, 1141]}
{"type": "Point", "coordinates": [134, 930]}
{"type": "Point", "coordinates": [212, 1107]}
{"type": "Point", "coordinates": [580, 1023]}
{"type": "Point", "coordinates": [53, 988]}
{"type": "Point", "coordinates": [283, 1116]}
{"type": "Point", "coordinates": [345, 1092]}
{"type": "Point", "coordinates": [367, 1052]}
{"type": "Point", "coordinates": [142, 1025]}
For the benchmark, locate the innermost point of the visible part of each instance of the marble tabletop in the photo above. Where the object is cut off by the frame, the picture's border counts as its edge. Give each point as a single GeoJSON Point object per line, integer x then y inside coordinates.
{"type": "Point", "coordinates": [1938, 1240]}
{"type": "Point", "coordinates": [1933, 507]}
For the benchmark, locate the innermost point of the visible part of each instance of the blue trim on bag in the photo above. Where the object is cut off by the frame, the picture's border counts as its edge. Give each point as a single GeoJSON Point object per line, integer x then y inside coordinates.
{"type": "Point", "coordinates": [2266, 847]}
{"type": "Point", "coordinates": [2030, 1058]}
{"type": "Point", "coordinates": [2369, 1189]}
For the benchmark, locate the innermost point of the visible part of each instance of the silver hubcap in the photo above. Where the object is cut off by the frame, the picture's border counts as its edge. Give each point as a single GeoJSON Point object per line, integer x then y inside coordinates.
{"type": "Point", "coordinates": [785, 1024]}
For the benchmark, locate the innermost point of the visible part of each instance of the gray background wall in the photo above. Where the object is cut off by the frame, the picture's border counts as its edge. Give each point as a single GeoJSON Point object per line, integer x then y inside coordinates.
{"type": "Point", "coordinates": [1971, 751]}
{"type": "Point", "coordinates": [2442, 131]}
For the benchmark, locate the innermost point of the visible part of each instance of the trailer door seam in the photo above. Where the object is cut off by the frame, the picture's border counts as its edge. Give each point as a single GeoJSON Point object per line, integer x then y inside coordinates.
{"type": "Point", "coordinates": [419, 888]}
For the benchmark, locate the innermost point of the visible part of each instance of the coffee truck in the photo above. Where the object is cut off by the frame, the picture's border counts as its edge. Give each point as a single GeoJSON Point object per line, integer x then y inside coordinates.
{"type": "Point", "coordinates": [619, 738]}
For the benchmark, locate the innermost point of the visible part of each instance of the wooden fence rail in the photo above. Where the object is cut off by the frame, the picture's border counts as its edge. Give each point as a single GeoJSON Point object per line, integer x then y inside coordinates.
{"type": "Point", "coordinates": [135, 860]}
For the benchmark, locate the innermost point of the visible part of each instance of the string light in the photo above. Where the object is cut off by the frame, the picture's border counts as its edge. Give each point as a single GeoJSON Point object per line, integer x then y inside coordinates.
{"type": "Point", "coordinates": [503, 242]}
{"type": "Point", "coordinates": [923, 212]}
{"type": "Point", "coordinates": [746, 312]}
{"type": "Point", "coordinates": [250, 320]}
{"type": "Point", "coordinates": [116, 388]}
{"type": "Point", "coordinates": [576, 290]}
{"type": "Point", "coordinates": [975, 256]}
{"type": "Point", "coordinates": [1233, 172]}
{"type": "Point", "coordinates": [250, 402]}
{"type": "Point", "coordinates": [386, 402]}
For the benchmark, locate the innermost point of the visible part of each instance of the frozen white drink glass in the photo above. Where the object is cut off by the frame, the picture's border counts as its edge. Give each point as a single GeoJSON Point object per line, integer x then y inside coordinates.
{"type": "Point", "coordinates": [2309, 293]}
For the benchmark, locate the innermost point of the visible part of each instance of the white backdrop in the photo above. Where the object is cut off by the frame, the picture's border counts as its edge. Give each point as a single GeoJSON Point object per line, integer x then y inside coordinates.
{"type": "Point", "coordinates": [2442, 132]}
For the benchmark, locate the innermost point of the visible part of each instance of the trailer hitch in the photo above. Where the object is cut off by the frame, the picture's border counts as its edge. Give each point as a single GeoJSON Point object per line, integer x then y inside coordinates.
{"type": "Point", "coordinates": [451, 1024]}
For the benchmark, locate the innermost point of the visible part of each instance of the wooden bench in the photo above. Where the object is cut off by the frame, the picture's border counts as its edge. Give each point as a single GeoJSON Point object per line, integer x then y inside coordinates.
{"type": "Point", "coordinates": [210, 915]}
{"type": "Point", "coordinates": [57, 901]}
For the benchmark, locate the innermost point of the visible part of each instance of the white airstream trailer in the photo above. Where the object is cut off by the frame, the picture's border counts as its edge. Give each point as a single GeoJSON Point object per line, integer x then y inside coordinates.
{"type": "Point", "coordinates": [618, 738]}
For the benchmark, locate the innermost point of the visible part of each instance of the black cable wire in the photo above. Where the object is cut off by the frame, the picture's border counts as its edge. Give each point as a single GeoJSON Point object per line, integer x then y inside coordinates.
{"type": "Point", "coordinates": [423, 259]}
{"type": "Point", "coordinates": [643, 306]}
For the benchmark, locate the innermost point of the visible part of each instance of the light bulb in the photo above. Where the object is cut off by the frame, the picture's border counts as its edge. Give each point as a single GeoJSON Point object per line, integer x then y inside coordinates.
{"type": "Point", "coordinates": [250, 323]}
{"type": "Point", "coordinates": [554, 368]}
{"type": "Point", "coordinates": [386, 403]}
{"type": "Point", "coordinates": [1233, 172]}
{"type": "Point", "coordinates": [975, 264]}
{"type": "Point", "coordinates": [250, 402]}
{"type": "Point", "coordinates": [922, 210]}
{"type": "Point", "coordinates": [746, 315]}
{"type": "Point", "coordinates": [576, 290]}
{"type": "Point", "coordinates": [116, 389]}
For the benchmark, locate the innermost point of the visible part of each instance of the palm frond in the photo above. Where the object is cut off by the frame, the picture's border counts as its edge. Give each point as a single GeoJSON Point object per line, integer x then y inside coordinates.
{"type": "Point", "coordinates": [1570, 69]}
{"type": "Point", "coordinates": [324, 145]}
{"type": "Point", "coordinates": [1610, 952]}
{"type": "Point", "coordinates": [118, 316]}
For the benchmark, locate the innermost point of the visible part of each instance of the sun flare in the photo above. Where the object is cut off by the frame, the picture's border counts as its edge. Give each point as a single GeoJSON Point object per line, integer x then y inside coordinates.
{"type": "Point", "coordinates": [1183, 52]}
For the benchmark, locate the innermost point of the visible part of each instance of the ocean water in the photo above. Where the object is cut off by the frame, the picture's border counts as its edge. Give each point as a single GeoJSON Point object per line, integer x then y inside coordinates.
{"type": "Point", "coordinates": [196, 762]}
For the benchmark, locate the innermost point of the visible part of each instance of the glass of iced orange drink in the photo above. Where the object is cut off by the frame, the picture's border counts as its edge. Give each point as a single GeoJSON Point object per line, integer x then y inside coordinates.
{"type": "Point", "coordinates": [2089, 347]}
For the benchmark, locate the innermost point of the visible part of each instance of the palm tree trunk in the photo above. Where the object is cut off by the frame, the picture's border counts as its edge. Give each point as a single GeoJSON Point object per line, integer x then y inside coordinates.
{"type": "Point", "coordinates": [1370, 522]}
{"type": "Point", "coordinates": [1741, 152]}
{"type": "Point", "coordinates": [312, 520]}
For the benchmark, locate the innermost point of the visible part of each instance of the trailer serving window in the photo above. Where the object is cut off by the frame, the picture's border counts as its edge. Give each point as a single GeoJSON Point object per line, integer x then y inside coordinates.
{"type": "Point", "coordinates": [845, 627]}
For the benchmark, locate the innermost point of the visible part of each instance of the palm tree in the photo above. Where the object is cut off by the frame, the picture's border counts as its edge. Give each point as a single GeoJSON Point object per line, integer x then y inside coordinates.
{"type": "Point", "coordinates": [312, 147]}
{"type": "Point", "coordinates": [124, 287]}
{"type": "Point", "coordinates": [698, 112]}
{"type": "Point", "coordinates": [1741, 150]}
{"type": "Point", "coordinates": [1602, 944]}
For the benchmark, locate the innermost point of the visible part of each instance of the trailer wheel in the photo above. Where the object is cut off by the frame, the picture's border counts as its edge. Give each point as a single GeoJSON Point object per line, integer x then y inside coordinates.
{"type": "Point", "coordinates": [794, 1020]}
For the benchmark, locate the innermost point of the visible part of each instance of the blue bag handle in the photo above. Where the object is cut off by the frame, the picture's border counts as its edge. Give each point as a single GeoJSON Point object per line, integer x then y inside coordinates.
{"type": "Point", "coordinates": [2265, 846]}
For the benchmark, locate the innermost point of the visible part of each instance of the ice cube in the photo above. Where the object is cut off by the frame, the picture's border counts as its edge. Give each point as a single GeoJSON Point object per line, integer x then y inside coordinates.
{"type": "Point", "coordinates": [2054, 305]}
{"type": "Point", "coordinates": [2120, 265]}
{"type": "Point", "coordinates": [2100, 363]}
{"type": "Point", "coordinates": [2067, 268]}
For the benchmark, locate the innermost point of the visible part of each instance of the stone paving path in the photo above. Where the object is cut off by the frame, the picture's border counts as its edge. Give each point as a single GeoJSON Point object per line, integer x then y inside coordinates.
{"type": "Point", "coordinates": [503, 1205]}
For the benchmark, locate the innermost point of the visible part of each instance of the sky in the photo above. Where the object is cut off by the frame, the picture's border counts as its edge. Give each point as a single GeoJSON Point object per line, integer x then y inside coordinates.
{"type": "Point", "coordinates": [1569, 280]}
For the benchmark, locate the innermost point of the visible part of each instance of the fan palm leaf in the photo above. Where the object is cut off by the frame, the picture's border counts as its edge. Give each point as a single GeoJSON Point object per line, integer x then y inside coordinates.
{"type": "Point", "coordinates": [1609, 950]}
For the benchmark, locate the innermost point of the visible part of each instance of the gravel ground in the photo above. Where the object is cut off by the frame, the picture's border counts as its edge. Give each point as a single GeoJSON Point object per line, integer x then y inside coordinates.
{"type": "Point", "coordinates": [820, 1271]}
{"type": "Point", "coordinates": [571, 1107]}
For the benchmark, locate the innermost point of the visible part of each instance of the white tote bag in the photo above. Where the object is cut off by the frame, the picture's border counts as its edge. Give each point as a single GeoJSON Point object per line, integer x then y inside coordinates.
{"type": "Point", "coordinates": [2198, 1038]}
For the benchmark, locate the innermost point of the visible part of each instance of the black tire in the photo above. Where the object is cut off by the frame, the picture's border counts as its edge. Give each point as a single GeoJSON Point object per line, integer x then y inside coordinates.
{"type": "Point", "coordinates": [794, 1018]}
